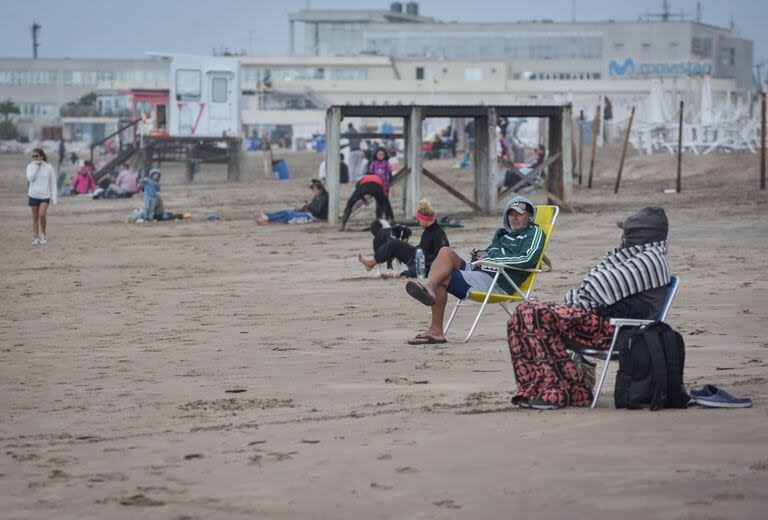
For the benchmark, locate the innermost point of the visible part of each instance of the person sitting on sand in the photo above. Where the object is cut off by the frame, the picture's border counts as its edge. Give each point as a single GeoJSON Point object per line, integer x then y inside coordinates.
{"type": "Point", "coordinates": [629, 282]}
{"type": "Point", "coordinates": [433, 239]}
{"type": "Point", "coordinates": [83, 181]}
{"type": "Point", "coordinates": [519, 243]}
{"type": "Point", "coordinates": [312, 211]}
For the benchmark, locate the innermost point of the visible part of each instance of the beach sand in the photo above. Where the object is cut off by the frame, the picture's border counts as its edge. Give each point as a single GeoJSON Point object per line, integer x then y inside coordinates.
{"type": "Point", "coordinates": [202, 369]}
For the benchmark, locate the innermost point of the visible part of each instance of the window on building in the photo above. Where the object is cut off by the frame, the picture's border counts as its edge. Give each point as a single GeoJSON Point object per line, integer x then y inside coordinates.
{"type": "Point", "coordinates": [219, 90]}
{"type": "Point", "coordinates": [674, 49]}
{"type": "Point", "coordinates": [702, 47]}
{"type": "Point", "coordinates": [473, 74]}
{"type": "Point", "coordinates": [419, 72]}
{"type": "Point", "coordinates": [727, 56]}
{"type": "Point", "coordinates": [188, 85]}
{"type": "Point", "coordinates": [349, 73]}
{"type": "Point", "coordinates": [25, 78]}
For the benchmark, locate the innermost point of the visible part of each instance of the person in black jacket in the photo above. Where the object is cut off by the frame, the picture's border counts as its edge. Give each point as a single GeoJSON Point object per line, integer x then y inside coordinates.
{"type": "Point", "coordinates": [312, 210]}
{"type": "Point", "coordinates": [388, 249]}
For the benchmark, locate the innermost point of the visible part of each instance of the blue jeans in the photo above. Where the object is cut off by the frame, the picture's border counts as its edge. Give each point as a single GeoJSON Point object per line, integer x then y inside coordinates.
{"type": "Point", "coordinates": [288, 215]}
{"type": "Point", "coordinates": [149, 207]}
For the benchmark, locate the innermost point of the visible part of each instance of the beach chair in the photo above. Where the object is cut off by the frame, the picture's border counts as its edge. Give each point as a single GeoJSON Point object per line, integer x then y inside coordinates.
{"type": "Point", "coordinates": [545, 217]}
{"type": "Point", "coordinates": [613, 353]}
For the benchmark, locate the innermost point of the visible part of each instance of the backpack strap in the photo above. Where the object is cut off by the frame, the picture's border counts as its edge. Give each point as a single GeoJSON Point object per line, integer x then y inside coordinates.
{"type": "Point", "coordinates": [672, 351]}
{"type": "Point", "coordinates": [658, 366]}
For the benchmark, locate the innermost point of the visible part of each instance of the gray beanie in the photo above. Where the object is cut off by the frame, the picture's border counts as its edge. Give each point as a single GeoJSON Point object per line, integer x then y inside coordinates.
{"type": "Point", "coordinates": [648, 225]}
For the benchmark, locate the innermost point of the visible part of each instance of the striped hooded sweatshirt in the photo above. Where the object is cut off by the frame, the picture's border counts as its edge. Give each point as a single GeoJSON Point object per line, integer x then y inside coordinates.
{"type": "Point", "coordinates": [516, 248]}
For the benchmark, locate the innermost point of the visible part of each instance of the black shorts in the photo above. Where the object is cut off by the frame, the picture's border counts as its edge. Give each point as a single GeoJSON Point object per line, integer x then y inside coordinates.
{"type": "Point", "coordinates": [36, 202]}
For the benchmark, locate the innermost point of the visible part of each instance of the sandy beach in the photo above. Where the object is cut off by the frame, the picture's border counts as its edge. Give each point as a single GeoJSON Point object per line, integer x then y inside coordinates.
{"type": "Point", "coordinates": [219, 369]}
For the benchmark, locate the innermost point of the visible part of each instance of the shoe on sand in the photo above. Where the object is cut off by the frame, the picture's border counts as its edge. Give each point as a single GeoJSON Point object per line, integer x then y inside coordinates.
{"type": "Point", "coordinates": [541, 404]}
{"type": "Point", "coordinates": [715, 397]}
{"type": "Point", "coordinates": [43, 239]}
{"type": "Point", "coordinates": [36, 242]}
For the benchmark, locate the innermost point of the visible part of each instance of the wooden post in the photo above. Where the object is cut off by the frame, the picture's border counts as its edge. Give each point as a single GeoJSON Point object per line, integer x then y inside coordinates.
{"type": "Point", "coordinates": [485, 162]}
{"type": "Point", "coordinates": [572, 138]}
{"type": "Point", "coordinates": [595, 131]}
{"type": "Point", "coordinates": [680, 151]}
{"type": "Point", "coordinates": [566, 124]}
{"type": "Point", "coordinates": [235, 155]}
{"type": "Point", "coordinates": [332, 161]}
{"type": "Point", "coordinates": [581, 144]}
{"type": "Point", "coordinates": [406, 160]}
{"type": "Point", "coordinates": [556, 169]}
{"type": "Point", "coordinates": [413, 181]}
{"type": "Point", "coordinates": [762, 140]}
{"type": "Point", "coordinates": [624, 150]}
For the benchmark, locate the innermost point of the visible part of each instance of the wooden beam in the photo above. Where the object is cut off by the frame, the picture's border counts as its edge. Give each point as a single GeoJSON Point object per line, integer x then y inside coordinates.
{"type": "Point", "coordinates": [485, 162]}
{"type": "Point", "coordinates": [528, 179]}
{"type": "Point", "coordinates": [595, 131]}
{"type": "Point", "coordinates": [624, 150]}
{"type": "Point", "coordinates": [450, 189]}
{"type": "Point", "coordinates": [371, 135]}
{"type": "Point", "coordinates": [415, 161]}
{"type": "Point", "coordinates": [332, 162]}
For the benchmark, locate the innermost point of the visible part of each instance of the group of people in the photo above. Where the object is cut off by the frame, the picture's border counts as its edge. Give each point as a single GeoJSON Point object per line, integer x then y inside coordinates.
{"type": "Point", "coordinates": [629, 282]}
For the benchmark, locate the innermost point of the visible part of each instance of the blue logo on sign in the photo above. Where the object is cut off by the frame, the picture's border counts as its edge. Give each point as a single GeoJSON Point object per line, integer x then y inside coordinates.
{"type": "Point", "coordinates": [626, 69]}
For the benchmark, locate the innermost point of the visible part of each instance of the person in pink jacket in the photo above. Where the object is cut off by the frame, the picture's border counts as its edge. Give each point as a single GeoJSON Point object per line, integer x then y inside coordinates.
{"type": "Point", "coordinates": [83, 182]}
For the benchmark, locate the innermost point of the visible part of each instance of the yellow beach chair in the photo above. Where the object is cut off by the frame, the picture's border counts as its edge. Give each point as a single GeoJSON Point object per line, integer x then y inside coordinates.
{"type": "Point", "coordinates": [545, 217]}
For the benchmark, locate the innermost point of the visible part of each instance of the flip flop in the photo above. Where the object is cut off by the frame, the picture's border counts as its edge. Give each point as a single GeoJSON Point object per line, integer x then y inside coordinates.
{"type": "Point", "coordinates": [418, 291]}
{"type": "Point", "coordinates": [423, 339]}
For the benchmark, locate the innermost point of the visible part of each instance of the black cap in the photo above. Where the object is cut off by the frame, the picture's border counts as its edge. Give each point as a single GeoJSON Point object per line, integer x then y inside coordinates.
{"type": "Point", "coordinates": [316, 183]}
{"type": "Point", "coordinates": [650, 224]}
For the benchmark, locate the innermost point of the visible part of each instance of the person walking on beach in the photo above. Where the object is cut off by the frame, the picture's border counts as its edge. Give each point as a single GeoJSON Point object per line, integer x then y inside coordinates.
{"type": "Point", "coordinates": [42, 191]}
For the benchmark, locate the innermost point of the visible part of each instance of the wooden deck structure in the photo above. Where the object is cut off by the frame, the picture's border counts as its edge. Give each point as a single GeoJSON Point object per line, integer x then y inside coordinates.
{"type": "Point", "coordinates": [485, 118]}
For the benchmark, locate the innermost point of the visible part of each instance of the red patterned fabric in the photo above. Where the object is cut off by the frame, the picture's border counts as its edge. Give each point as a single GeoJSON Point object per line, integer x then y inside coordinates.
{"type": "Point", "coordinates": [536, 334]}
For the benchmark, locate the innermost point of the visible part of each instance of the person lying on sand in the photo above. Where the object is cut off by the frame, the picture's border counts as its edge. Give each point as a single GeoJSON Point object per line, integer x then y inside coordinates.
{"type": "Point", "coordinates": [630, 282]}
{"type": "Point", "coordinates": [518, 243]}
{"type": "Point", "coordinates": [312, 210]}
{"type": "Point", "coordinates": [388, 248]}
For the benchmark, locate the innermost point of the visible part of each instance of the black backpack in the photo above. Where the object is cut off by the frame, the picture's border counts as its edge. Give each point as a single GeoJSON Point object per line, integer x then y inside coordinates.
{"type": "Point", "coordinates": [651, 362]}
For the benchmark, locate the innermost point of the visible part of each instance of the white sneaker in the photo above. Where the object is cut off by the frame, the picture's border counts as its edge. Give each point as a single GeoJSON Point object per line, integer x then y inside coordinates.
{"type": "Point", "coordinates": [36, 242]}
{"type": "Point", "coordinates": [43, 239]}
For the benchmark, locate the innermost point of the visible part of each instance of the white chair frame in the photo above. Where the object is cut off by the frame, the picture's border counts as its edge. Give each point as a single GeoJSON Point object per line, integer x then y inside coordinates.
{"type": "Point", "coordinates": [618, 323]}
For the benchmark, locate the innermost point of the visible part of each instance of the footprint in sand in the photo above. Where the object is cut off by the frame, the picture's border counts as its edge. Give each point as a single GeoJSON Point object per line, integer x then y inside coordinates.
{"type": "Point", "coordinates": [406, 470]}
{"type": "Point", "coordinates": [450, 504]}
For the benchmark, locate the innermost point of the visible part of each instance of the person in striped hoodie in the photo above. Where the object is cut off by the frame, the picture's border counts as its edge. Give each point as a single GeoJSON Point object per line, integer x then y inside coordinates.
{"type": "Point", "coordinates": [519, 243]}
{"type": "Point", "coordinates": [629, 282]}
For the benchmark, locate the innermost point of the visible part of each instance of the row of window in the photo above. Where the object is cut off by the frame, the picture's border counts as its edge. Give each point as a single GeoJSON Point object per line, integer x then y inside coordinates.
{"type": "Point", "coordinates": [263, 74]}
{"type": "Point", "coordinates": [39, 78]}
{"type": "Point", "coordinates": [28, 78]}
{"type": "Point", "coordinates": [557, 75]}
{"type": "Point", "coordinates": [38, 109]}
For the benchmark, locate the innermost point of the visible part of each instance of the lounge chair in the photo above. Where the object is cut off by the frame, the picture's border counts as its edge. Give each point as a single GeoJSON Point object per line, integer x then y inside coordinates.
{"type": "Point", "coordinates": [546, 216]}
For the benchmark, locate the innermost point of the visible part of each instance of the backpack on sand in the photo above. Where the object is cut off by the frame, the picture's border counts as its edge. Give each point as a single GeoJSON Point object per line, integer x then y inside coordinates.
{"type": "Point", "coordinates": [651, 362]}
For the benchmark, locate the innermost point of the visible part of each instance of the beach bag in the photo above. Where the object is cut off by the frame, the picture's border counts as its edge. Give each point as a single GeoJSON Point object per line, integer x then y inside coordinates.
{"type": "Point", "coordinates": [651, 362]}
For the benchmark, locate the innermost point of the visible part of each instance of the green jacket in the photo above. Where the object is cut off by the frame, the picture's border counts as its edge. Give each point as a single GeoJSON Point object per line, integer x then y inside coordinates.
{"type": "Point", "coordinates": [516, 248]}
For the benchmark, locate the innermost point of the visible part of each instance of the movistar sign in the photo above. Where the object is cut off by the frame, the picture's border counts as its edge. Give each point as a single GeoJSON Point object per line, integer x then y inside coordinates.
{"type": "Point", "coordinates": [628, 68]}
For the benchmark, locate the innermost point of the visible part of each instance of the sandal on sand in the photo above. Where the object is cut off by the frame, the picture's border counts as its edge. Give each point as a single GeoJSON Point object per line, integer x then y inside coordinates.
{"type": "Point", "coordinates": [418, 291]}
{"type": "Point", "coordinates": [423, 339]}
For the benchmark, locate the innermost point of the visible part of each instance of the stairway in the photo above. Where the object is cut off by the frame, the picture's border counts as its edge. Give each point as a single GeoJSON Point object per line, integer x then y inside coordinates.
{"type": "Point", "coordinates": [124, 155]}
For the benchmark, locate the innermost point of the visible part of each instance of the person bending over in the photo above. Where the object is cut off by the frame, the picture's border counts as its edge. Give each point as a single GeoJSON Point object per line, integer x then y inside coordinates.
{"type": "Point", "coordinates": [311, 211]}
{"type": "Point", "coordinates": [629, 282]}
{"type": "Point", "coordinates": [433, 239]}
{"type": "Point", "coordinates": [373, 185]}
{"type": "Point", "coordinates": [519, 243]}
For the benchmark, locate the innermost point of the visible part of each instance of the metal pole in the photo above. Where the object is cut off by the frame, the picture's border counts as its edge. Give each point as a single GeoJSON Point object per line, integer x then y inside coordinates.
{"type": "Point", "coordinates": [624, 151]}
{"type": "Point", "coordinates": [680, 151]}
{"type": "Point", "coordinates": [762, 140]}
{"type": "Point", "coordinates": [595, 131]}
{"type": "Point", "coordinates": [581, 144]}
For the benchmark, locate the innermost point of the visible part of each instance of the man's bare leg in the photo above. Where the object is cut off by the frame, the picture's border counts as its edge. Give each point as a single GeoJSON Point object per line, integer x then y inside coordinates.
{"type": "Point", "coordinates": [369, 264]}
{"type": "Point", "coordinates": [437, 285]}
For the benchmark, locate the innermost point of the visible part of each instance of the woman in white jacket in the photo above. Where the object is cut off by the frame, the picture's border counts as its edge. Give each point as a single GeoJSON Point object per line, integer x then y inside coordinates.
{"type": "Point", "coordinates": [42, 191]}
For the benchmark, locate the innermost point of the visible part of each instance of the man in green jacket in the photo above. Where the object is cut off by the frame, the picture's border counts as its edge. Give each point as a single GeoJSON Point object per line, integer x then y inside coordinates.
{"type": "Point", "coordinates": [518, 243]}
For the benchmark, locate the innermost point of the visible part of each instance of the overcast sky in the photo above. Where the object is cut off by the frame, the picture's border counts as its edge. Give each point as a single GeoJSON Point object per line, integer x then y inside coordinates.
{"type": "Point", "coordinates": [131, 28]}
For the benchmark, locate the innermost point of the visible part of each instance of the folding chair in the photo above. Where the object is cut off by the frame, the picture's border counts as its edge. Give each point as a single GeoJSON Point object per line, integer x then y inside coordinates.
{"type": "Point", "coordinates": [613, 353]}
{"type": "Point", "coordinates": [545, 217]}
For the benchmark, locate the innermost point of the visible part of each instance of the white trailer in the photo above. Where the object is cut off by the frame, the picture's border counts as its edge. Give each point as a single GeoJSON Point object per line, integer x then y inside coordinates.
{"type": "Point", "coordinates": [205, 96]}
